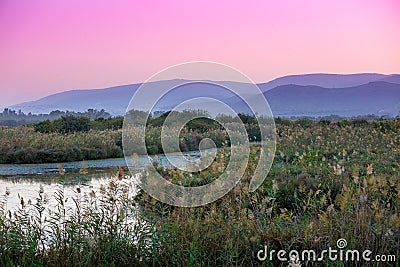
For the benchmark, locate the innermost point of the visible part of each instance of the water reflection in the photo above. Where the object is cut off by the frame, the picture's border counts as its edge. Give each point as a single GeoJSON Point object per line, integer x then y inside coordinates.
{"type": "Point", "coordinates": [53, 168]}
{"type": "Point", "coordinates": [27, 188]}
{"type": "Point", "coordinates": [25, 180]}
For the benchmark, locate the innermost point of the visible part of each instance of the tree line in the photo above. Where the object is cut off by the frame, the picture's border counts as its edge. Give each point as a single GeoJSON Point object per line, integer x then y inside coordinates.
{"type": "Point", "coordinates": [11, 117]}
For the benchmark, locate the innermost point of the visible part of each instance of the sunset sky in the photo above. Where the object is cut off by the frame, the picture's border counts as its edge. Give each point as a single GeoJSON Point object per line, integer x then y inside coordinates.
{"type": "Point", "coordinates": [48, 46]}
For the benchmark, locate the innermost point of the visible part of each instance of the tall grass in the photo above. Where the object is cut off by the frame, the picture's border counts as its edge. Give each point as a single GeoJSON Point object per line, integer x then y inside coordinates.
{"type": "Point", "coordinates": [327, 182]}
{"type": "Point", "coordinates": [24, 145]}
{"type": "Point", "coordinates": [96, 228]}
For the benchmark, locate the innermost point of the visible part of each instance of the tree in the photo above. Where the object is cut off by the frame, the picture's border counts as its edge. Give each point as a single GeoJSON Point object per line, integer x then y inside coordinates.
{"type": "Point", "coordinates": [70, 124]}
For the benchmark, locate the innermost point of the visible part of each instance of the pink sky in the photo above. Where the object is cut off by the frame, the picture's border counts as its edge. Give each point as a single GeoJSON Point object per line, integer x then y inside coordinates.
{"type": "Point", "coordinates": [48, 46]}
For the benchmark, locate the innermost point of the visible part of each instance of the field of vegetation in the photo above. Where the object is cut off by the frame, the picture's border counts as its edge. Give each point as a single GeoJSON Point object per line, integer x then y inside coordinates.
{"type": "Point", "coordinates": [73, 138]}
{"type": "Point", "coordinates": [24, 145]}
{"type": "Point", "coordinates": [328, 181]}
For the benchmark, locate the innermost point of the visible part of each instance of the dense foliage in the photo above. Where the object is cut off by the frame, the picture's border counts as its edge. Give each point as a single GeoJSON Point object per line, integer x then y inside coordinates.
{"type": "Point", "coordinates": [24, 145]}
{"type": "Point", "coordinates": [73, 138]}
{"type": "Point", "coordinates": [78, 138]}
{"type": "Point", "coordinates": [11, 117]}
{"type": "Point", "coordinates": [71, 124]}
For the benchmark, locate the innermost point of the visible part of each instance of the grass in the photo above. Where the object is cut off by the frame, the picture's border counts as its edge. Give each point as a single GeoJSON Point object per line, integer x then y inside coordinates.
{"type": "Point", "coordinates": [79, 138]}
{"type": "Point", "coordinates": [24, 145]}
{"type": "Point", "coordinates": [328, 181]}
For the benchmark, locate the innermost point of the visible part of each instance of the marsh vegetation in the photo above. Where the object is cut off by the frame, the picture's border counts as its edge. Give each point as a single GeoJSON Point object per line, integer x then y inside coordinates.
{"type": "Point", "coordinates": [328, 181]}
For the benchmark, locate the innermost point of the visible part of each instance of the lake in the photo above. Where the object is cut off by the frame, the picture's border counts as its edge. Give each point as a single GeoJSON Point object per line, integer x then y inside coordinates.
{"type": "Point", "coordinates": [25, 180]}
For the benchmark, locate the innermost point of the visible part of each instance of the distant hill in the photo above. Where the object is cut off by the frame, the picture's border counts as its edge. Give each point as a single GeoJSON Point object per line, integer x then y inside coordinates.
{"type": "Point", "coordinates": [293, 95]}
{"type": "Point", "coordinates": [113, 100]}
{"type": "Point", "coordinates": [325, 80]}
{"type": "Point", "coordinates": [379, 98]}
{"type": "Point", "coordinates": [395, 78]}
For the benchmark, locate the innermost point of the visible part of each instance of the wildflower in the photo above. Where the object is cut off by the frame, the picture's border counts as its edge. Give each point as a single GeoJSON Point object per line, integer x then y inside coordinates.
{"type": "Point", "coordinates": [338, 170]}
{"type": "Point", "coordinates": [389, 232]}
{"type": "Point", "coordinates": [269, 210]}
{"type": "Point", "coordinates": [365, 183]}
{"type": "Point", "coordinates": [370, 169]}
{"type": "Point", "coordinates": [275, 186]}
{"type": "Point", "coordinates": [250, 214]}
{"type": "Point", "coordinates": [363, 199]}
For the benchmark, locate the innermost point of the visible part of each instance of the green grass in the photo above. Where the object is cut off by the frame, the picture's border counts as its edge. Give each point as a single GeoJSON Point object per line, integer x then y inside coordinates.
{"type": "Point", "coordinates": [24, 145]}
{"type": "Point", "coordinates": [328, 181]}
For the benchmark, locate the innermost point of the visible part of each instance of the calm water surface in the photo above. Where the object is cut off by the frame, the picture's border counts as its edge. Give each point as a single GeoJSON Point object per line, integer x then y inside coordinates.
{"type": "Point", "coordinates": [25, 180]}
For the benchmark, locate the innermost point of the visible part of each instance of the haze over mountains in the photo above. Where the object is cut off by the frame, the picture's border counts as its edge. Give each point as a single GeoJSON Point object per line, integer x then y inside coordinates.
{"type": "Point", "coordinates": [294, 95]}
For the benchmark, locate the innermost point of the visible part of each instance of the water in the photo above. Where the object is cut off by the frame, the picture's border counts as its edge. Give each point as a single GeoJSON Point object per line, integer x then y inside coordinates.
{"type": "Point", "coordinates": [51, 168]}
{"type": "Point", "coordinates": [28, 188]}
{"type": "Point", "coordinates": [25, 180]}
{"type": "Point", "coordinates": [48, 168]}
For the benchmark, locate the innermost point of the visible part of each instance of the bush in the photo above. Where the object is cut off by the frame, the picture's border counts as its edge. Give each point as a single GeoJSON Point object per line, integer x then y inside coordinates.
{"type": "Point", "coordinates": [25, 145]}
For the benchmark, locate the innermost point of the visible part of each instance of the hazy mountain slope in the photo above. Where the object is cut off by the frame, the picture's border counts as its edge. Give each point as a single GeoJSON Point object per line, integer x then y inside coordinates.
{"type": "Point", "coordinates": [324, 80]}
{"type": "Point", "coordinates": [395, 78]}
{"type": "Point", "coordinates": [116, 99]}
{"type": "Point", "coordinates": [113, 100]}
{"type": "Point", "coordinates": [380, 98]}
{"type": "Point", "coordinates": [311, 94]}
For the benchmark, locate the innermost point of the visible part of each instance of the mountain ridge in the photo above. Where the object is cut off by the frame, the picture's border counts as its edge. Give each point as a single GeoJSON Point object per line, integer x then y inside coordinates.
{"type": "Point", "coordinates": [116, 99]}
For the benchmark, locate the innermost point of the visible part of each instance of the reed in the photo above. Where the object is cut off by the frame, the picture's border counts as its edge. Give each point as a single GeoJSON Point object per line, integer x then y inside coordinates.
{"type": "Point", "coordinates": [327, 182]}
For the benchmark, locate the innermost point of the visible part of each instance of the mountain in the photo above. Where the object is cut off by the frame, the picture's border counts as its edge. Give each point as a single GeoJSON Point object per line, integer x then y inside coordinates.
{"type": "Point", "coordinates": [379, 98]}
{"type": "Point", "coordinates": [297, 95]}
{"type": "Point", "coordinates": [326, 80]}
{"type": "Point", "coordinates": [113, 99]}
{"type": "Point", "coordinates": [395, 78]}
